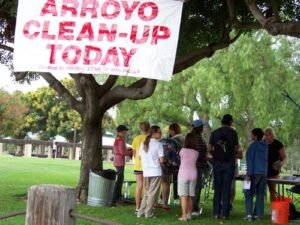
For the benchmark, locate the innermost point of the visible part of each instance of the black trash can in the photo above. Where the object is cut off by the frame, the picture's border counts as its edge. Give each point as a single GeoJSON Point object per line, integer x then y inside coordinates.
{"type": "Point", "coordinates": [101, 187]}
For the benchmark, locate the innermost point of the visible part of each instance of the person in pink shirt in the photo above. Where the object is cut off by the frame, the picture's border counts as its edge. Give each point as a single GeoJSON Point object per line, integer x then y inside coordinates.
{"type": "Point", "coordinates": [187, 175]}
{"type": "Point", "coordinates": [120, 151]}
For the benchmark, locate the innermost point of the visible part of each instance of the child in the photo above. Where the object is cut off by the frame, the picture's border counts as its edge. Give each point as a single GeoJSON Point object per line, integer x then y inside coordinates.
{"type": "Point", "coordinates": [187, 175]}
{"type": "Point", "coordinates": [257, 166]}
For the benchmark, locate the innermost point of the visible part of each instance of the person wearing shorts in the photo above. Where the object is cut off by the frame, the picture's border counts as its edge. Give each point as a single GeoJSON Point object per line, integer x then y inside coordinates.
{"type": "Point", "coordinates": [187, 175]}
{"type": "Point", "coordinates": [138, 171]}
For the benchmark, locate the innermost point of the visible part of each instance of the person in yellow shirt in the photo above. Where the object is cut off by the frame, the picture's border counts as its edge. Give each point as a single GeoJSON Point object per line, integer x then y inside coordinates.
{"type": "Point", "coordinates": [138, 171]}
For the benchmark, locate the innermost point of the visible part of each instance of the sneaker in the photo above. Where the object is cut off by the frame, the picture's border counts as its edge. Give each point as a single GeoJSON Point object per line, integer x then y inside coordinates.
{"type": "Point", "coordinates": [195, 213]}
{"type": "Point", "coordinates": [257, 218]}
{"type": "Point", "coordinates": [139, 215]}
{"type": "Point", "coordinates": [136, 211]}
{"type": "Point", "coordinates": [183, 220]}
{"type": "Point", "coordinates": [150, 216]}
{"type": "Point", "coordinates": [248, 218]}
{"type": "Point", "coordinates": [216, 217]}
{"type": "Point", "coordinates": [188, 216]}
{"type": "Point", "coordinates": [176, 202]}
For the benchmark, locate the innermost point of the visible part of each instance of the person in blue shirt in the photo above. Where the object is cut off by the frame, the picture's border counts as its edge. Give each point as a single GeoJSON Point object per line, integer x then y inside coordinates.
{"type": "Point", "coordinates": [257, 168]}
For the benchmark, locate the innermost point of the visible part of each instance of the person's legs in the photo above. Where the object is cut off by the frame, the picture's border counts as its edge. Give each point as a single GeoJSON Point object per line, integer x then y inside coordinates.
{"type": "Point", "coordinates": [175, 184]}
{"type": "Point", "coordinates": [198, 188]}
{"type": "Point", "coordinates": [138, 190]}
{"type": "Point", "coordinates": [249, 200]}
{"type": "Point", "coordinates": [260, 195]}
{"type": "Point", "coordinates": [184, 207]}
{"type": "Point", "coordinates": [146, 185]}
{"type": "Point", "coordinates": [226, 187]}
{"type": "Point", "coordinates": [153, 192]}
{"type": "Point", "coordinates": [272, 189]}
{"type": "Point", "coordinates": [166, 190]}
{"type": "Point", "coordinates": [118, 185]}
{"type": "Point", "coordinates": [218, 182]}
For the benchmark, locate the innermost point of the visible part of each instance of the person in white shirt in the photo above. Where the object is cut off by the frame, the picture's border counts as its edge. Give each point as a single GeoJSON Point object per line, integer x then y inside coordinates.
{"type": "Point", "coordinates": [151, 154]}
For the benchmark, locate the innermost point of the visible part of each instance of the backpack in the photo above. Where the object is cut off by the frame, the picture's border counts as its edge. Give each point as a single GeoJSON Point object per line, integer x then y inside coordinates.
{"type": "Point", "coordinates": [171, 153]}
{"type": "Point", "coordinates": [222, 149]}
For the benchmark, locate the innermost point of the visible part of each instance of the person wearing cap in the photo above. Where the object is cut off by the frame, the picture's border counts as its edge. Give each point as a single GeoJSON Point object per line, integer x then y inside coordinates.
{"type": "Point", "coordinates": [226, 139]}
{"type": "Point", "coordinates": [120, 151]}
{"type": "Point", "coordinates": [201, 147]}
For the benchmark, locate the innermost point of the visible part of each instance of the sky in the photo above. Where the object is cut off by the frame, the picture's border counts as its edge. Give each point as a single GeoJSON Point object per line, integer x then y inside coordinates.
{"type": "Point", "coordinates": [9, 84]}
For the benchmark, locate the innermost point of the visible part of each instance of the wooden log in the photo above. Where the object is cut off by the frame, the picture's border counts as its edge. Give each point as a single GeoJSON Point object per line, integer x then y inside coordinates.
{"type": "Point", "coordinates": [50, 205]}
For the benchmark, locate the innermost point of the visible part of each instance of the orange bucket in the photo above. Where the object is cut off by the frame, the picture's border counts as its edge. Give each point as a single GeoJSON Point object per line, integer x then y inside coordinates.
{"type": "Point", "coordinates": [280, 210]}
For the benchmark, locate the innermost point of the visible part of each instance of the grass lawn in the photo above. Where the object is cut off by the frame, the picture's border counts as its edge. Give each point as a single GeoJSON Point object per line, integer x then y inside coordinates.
{"type": "Point", "coordinates": [18, 174]}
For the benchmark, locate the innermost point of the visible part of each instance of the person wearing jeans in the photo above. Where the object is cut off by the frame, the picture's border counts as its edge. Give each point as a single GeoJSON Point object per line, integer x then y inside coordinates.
{"type": "Point", "coordinates": [223, 177]}
{"type": "Point", "coordinates": [223, 146]}
{"type": "Point", "coordinates": [257, 167]}
{"type": "Point", "coordinates": [120, 151]}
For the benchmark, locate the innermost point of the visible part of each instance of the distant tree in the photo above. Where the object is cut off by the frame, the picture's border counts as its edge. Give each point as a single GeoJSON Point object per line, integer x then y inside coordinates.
{"type": "Point", "coordinates": [12, 111]}
{"type": "Point", "coordinates": [49, 115]}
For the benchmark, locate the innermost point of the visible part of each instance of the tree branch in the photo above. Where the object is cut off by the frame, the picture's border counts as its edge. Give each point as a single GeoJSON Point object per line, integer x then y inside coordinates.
{"type": "Point", "coordinates": [6, 48]}
{"type": "Point", "coordinates": [271, 24]}
{"type": "Point", "coordinates": [79, 88]}
{"type": "Point", "coordinates": [231, 11]}
{"type": "Point", "coordinates": [140, 89]}
{"type": "Point", "coordinates": [275, 8]}
{"type": "Point", "coordinates": [204, 52]}
{"type": "Point", "coordinates": [109, 83]}
{"type": "Point", "coordinates": [63, 92]}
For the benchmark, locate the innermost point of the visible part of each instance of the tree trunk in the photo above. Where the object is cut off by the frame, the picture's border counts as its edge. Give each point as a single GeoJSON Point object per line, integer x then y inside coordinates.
{"type": "Point", "coordinates": [206, 128]}
{"type": "Point", "coordinates": [248, 129]}
{"type": "Point", "coordinates": [91, 152]}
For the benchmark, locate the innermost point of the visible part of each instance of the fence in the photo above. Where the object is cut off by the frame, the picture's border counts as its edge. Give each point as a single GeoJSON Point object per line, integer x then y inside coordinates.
{"type": "Point", "coordinates": [53, 205]}
{"type": "Point", "coordinates": [38, 148]}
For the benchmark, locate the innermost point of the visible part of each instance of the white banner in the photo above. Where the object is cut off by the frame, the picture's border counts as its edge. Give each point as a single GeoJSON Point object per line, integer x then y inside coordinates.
{"type": "Point", "coordinates": [120, 37]}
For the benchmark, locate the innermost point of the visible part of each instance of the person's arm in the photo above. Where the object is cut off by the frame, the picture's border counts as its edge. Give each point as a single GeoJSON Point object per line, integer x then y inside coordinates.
{"type": "Point", "coordinates": [283, 156]}
{"type": "Point", "coordinates": [250, 161]}
{"type": "Point", "coordinates": [134, 147]}
{"type": "Point", "coordinates": [239, 152]}
{"type": "Point", "coordinates": [161, 154]}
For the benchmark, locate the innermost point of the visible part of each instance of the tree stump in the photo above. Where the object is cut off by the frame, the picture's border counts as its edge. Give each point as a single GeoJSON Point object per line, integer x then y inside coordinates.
{"type": "Point", "coordinates": [50, 205]}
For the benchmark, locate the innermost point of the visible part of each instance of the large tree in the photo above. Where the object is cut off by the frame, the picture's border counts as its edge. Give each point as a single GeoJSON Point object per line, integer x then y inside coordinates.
{"type": "Point", "coordinates": [206, 27]}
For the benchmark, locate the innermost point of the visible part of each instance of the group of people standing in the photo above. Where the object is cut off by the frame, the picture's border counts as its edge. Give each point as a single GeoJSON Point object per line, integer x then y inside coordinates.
{"type": "Point", "coordinates": [185, 161]}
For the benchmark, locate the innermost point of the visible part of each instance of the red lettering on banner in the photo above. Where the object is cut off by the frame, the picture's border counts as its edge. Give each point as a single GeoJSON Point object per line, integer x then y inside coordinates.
{"type": "Point", "coordinates": [153, 8]}
{"type": "Point", "coordinates": [129, 10]}
{"type": "Point", "coordinates": [145, 34]}
{"type": "Point", "coordinates": [76, 54]}
{"type": "Point", "coordinates": [26, 29]}
{"type": "Point", "coordinates": [45, 31]}
{"type": "Point", "coordinates": [110, 34]}
{"type": "Point", "coordinates": [66, 30]}
{"type": "Point", "coordinates": [127, 56]}
{"type": "Point", "coordinates": [160, 32]}
{"type": "Point", "coordinates": [86, 32]}
{"type": "Point", "coordinates": [110, 4]}
{"type": "Point", "coordinates": [53, 48]}
{"type": "Point", "coordinates": [92, 55]}
{"type": "Point", "coordinates": [87, 60]}
{"type": "Point", "coordinates": [69, 6]}
{"type": "Point", "coordinates": [111, 57]}
{"type": "Point", "coordinates": [49, 8]}
{"type": "Point", "coordinates": [90, 6]}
